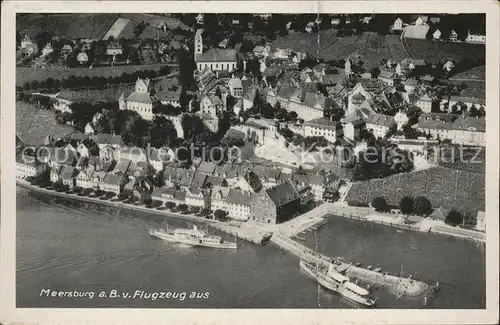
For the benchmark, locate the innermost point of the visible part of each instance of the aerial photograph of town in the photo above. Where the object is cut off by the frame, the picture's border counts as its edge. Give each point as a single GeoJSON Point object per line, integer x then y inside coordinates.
{"type": "Point", "coordinates": [206, 160]}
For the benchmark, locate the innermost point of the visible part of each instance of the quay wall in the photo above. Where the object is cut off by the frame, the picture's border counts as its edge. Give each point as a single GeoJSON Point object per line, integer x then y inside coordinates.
{"type": "Point", "coordinates": [256, 237]}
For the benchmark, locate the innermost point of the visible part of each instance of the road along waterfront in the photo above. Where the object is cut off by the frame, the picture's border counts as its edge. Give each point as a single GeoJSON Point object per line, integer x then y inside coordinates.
{"type": "Point", "coordinates": [68, 244]}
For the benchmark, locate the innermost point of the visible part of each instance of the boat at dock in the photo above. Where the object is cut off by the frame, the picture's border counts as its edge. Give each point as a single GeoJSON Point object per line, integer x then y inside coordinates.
{"type": "Point", "coordinates": [330, 278]}
{"type": "Point", "coordinates": [191, 237]}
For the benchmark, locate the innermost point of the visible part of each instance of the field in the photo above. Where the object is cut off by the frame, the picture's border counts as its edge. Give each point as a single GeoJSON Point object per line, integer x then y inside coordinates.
{"type": "Point", "coordinates": [71, 26]}
{"type": "Point", "coordinates": [33, 124]}
{"type": "Point", "coordinates": [116, 29]}
{"type": "Point", "coordinates": [370, 46]}
{"type": "Point", "coordinates": [24, 74]}
{"type": "Point", "coordinates": [436, 51]}
{"type": "Point", "coordinates": [151, 31]}
{"type": "Point", "coordinates": [446, 187]}
{"type": "Point", "coordinates": [306, 43]}
{"type": "Point", "coordinates": [93, 25]}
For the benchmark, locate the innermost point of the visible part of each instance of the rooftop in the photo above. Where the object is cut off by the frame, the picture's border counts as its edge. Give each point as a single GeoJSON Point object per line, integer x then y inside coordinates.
{"type": "Point", "coordinates": [217, 55]}
{"type": "Point", "coordinates": [283, 193]}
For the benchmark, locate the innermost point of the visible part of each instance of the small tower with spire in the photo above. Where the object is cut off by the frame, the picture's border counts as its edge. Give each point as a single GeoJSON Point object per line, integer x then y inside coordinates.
{"type": "Point", "coordinates": [198, 42]}
{"type": "Point", "coordinates": [121, 102]}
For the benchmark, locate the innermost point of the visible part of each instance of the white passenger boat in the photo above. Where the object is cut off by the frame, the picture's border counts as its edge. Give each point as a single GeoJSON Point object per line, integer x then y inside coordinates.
{"type": "Point", "coordinates": [191, 237]}
{"type": "Point", "coordinates": [331, 279]}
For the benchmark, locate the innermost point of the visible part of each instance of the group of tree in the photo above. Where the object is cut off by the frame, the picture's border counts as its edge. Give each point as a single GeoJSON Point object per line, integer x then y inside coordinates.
{"type": "Point", "coordinates": [407, 205]}
{"type": "Point", "coordinates": [75, 82]}
{"type": "Point", "coordinates": [381, 162]}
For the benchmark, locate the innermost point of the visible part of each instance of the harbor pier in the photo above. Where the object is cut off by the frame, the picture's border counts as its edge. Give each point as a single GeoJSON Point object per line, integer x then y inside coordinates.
{"type": "Point", "coordinates": [398, 285]}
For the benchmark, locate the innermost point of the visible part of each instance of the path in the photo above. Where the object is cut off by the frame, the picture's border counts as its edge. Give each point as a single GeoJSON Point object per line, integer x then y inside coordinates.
{"type": "Point", "coordinates": [405, 46]}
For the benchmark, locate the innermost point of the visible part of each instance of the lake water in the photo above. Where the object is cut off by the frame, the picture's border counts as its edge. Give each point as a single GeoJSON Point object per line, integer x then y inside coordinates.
{"type": "Point", "coordinates": [67, 245]}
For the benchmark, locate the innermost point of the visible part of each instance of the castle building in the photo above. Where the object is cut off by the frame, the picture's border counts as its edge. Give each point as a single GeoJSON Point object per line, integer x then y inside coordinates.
{"type": "Point", "coordinates": [142, 100]}
{"type": "Point", "coordinates": [214, 59]}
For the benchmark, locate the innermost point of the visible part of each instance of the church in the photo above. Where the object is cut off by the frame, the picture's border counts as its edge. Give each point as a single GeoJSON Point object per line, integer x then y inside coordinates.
{"type": "Point", "coordinates": [142, 100]}
{"type": "Point", "coordinates": [214, 59]}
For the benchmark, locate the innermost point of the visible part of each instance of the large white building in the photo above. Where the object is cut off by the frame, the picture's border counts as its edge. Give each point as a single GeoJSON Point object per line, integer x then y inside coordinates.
{"type": "Point", "coordinates": [462, 130]}
{"type": "Point", "coordinates": [141, 100]}
{"type": "Point", "coordinates": [214, 59]}
{"type": "Point", "coordinates": [379, 124]}
{"type": "Point", "coordinates": [321, 127]}
{"type": "Point", "coordinates": [310, 106]}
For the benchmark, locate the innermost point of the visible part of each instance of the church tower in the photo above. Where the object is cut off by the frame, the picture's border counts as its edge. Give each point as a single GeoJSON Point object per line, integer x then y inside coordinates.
{"type": "Point", "coordinates": [198, 42]}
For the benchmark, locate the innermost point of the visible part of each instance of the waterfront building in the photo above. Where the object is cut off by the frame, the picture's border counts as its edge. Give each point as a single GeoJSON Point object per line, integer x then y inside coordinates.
{"type": "Point", "coordinates": [316, 183]}
{"type": "Point", "coordinates": [218, 198]}
{"type": "Point", "coordinates": [238, 204]}
{"type": "Point", "coordinates": [97, 178]}
{"type": "Point", "coordinates": [142, 101]}
{"type": "Point", "coordinates": [54, 173]}
{"type": "Point", "coordinates": [68, 176]}
{"type": "Point", "coordinates": [196, 197]}
{"type": "Point", "coordinates": [276, 204]}
{"type": "Point", "coordinates": [84, 178]}
{"type": "Point", "coordinates": [113, 183]}
{"type": "Point", "coordinates": [322, 127]}
{"type": "Point", "coordinates": [29, 167]}
{"type": "Point", "coordinates": [214, 59]}
{"type": "Point", "coordinates": [168, 194]}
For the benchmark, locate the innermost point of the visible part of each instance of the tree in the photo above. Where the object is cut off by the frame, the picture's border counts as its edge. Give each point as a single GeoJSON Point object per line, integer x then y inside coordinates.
{"type": "Point", "coordinates": [423, 206]}
{"type": "Point", "coordinates": [220, 214]}
{"type": "Point", "coordinates": [406, 205]}
{"type": "Point", "coordinates": [183, 207]}
{"type": "Point", "coordinates": [379, 204]}
{"type": "Point", "coordinates": [156, 203]}
{"type": "Point", "coordinates": [454, 217]}
{"type": "Point", "coordinates": [146, 198]}
{"type": "Point", "coordinates": [170, 205]}
{"type": "Point", "coordinates": [110, 194]}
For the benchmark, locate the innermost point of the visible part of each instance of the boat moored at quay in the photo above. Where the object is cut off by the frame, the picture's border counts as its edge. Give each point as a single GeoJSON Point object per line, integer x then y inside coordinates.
{"type": "Point", "coordinates": [191, 237]}
{"type": "Point", "coordinates": [331, 279]}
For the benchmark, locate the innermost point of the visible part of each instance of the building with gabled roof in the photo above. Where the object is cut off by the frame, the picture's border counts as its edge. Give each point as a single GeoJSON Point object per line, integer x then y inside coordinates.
{"type": "Point", "coordinates": [141, 101]}
{"type": "Point", "coordinates": [276, 204]}
{"type": "Point", "coordinates": [379, 124]}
